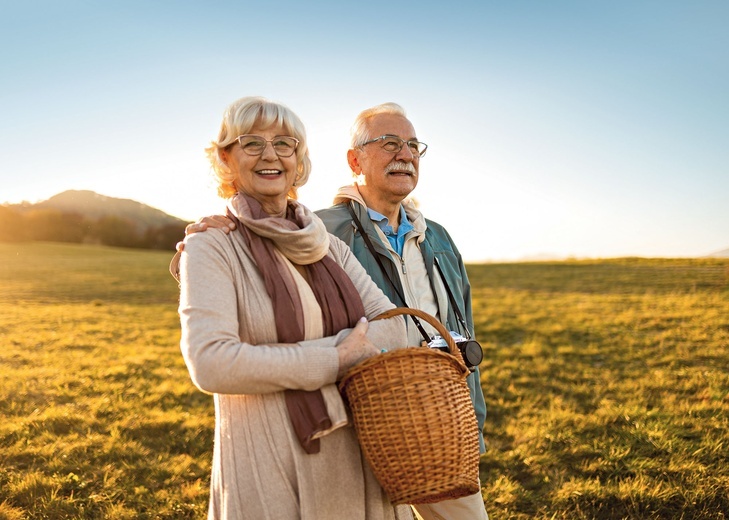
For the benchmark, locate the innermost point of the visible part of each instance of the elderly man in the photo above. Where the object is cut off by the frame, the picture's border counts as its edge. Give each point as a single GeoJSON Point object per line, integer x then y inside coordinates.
{"type": "Point", "coordinates": [420, 260]}
{"type": "Point", "coordinates": [409, 257]}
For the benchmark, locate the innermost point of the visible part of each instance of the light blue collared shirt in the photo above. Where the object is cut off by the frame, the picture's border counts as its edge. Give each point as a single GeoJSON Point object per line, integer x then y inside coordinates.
{"type": "Point", "coordinates": [396, 239]}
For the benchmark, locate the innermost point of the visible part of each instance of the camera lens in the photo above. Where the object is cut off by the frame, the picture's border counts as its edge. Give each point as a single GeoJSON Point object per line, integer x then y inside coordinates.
{"type": "Point", "coordinates": [472, 352]}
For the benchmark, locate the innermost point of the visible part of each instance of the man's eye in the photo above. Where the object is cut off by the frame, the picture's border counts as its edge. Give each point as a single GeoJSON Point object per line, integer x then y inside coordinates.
{"type": "Point", "coordinates": [391, 145]}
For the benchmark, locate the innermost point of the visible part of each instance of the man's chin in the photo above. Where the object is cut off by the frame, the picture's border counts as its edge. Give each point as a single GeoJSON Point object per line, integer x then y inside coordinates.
{"type": "Point", "coordinates": [403, 189]}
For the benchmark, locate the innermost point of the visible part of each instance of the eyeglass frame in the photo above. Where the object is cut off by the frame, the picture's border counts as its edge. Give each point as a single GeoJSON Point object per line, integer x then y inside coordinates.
{"type": "Point", "coordinates": [403, 143]}
{"type": "Point", "coordinates": [296, 146]}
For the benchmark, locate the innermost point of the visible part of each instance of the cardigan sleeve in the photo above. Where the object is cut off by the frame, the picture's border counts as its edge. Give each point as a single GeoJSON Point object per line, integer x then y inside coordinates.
{"type": "Point", "coordinates": [218, 360]}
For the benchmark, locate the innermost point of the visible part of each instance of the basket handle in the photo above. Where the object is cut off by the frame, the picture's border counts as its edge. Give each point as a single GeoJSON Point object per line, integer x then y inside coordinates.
{"type": "Point", "coordinates": [400, 311]}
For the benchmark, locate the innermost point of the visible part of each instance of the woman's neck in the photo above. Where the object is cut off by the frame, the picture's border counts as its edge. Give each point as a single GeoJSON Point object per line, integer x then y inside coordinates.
{"type": "Point", "coordinates": [272, 206]}
{"type": "Point", "coordinates": [276, 209]}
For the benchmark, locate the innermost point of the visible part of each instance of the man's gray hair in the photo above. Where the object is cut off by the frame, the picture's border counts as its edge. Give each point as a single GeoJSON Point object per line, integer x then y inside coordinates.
{"type": "Point", "coordinates": [359, 132]}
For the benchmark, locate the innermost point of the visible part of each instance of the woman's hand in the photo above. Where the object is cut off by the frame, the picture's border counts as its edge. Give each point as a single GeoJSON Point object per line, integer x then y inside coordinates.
{"type": "Point", "coordinates": [213, 221]}
{"type": "Point", "coordinates": [355, 348]}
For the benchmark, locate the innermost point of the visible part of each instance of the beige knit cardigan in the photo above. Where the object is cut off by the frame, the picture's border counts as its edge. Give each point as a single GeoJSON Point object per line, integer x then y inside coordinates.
{"type": "Point", "coordinates": [259, 470]}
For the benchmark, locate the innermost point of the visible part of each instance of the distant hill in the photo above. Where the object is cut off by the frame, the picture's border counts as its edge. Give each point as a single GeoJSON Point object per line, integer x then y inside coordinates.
{"type": "Point", "coordinates": [94, 206]}
{"type": "Point", "coordinates": [83, 216]}
{"type": "Point", "coordinates": [724, 253]}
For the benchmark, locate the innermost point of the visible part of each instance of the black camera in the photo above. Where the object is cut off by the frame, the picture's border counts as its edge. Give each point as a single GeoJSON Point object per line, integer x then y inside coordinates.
{"type": "Point", "coordinates": [470, 349]}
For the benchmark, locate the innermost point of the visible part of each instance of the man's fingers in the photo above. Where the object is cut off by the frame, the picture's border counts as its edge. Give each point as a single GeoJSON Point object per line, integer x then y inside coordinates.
{"type": "Point", "coordinates": [195, 227]}
{"type": "Point", "coordinates": [212, 221]}
{"type": "Point", "coordinates": [220, 221]}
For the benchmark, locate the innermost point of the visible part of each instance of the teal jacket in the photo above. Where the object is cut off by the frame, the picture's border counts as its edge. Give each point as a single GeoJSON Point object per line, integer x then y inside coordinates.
{"type": "Point", "coordinates": [436, 244]}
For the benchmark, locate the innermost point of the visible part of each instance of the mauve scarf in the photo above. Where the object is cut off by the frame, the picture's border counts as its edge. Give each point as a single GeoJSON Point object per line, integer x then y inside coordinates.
{"type": "Point", "coordinates": [303, 239]}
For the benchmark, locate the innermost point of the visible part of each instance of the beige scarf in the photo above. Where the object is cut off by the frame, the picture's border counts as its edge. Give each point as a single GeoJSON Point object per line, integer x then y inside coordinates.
{"type": "Point", "coordinates": [302, 238]}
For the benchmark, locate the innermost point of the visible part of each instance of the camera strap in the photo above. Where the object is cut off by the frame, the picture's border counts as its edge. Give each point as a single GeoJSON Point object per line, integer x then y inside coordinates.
{"type": "Point", "coordinates": [371, 247]}
{"type": "Point", "coordinates": [456, 310]}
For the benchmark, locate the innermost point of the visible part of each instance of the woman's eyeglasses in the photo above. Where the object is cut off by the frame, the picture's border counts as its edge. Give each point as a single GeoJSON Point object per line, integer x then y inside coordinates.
{"type": "Point", "coordinates": [283, 145]}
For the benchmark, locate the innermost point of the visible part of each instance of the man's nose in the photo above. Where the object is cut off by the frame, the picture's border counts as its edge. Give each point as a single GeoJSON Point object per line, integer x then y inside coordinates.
{"type": "Point", "coordinates": [405, 154]}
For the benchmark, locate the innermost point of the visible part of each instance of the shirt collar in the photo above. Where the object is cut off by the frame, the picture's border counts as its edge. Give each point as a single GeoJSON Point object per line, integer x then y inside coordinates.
{"type": "Point", "coordinates": [384, 222]}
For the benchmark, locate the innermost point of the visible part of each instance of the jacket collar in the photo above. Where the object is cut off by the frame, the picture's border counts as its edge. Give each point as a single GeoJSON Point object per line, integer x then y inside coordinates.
{"type": "Point", "coordinates": [351, 192]}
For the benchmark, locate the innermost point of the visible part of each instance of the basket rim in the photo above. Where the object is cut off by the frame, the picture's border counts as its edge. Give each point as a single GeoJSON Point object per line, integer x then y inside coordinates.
{"type": "Point", "coordinates": [437, 325]}
{"type": "Point", "coordinates": [388, 357]}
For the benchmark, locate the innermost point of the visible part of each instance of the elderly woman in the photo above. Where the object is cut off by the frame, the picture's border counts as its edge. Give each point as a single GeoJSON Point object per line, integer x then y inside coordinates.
{"type": "Point", "coordinates": [272, 315]}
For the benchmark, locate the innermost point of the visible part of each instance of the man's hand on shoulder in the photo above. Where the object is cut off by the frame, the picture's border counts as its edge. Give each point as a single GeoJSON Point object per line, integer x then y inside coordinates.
{"type": "Point", "coordinates": [213, 221]}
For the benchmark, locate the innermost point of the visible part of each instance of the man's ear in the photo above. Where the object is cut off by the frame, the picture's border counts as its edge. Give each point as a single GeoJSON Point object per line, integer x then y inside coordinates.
{"type": "Point", "coordinates": [353, 161]}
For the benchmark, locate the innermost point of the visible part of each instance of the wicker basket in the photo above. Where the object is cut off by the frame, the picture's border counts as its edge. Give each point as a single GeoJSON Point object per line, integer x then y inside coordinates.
{"type": "Point", "coordinates": [415, 421]}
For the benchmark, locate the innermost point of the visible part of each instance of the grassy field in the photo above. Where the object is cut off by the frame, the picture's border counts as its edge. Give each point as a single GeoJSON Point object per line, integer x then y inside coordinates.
{"type": "Point", "coordinates": [606, 382]}
{"type": "Point", "coordinates": [98, 418]}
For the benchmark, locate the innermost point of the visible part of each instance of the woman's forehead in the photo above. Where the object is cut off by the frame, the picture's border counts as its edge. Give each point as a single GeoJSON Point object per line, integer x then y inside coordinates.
{"type": "Point", "coordinates": [274, 128]}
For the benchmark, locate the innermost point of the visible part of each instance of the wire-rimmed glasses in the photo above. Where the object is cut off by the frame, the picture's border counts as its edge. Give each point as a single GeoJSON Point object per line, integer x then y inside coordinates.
{"type": "Point", "coordinates": [393, 144]}
{"type": "Point", "coordinates": [283, 145]}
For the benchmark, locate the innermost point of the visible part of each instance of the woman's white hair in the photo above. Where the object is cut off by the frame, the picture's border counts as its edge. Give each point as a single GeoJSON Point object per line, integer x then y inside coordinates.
{"type": "Point", "coordinates": [240, 118]}
{"type": "Point", "coordinates": [360, 133]}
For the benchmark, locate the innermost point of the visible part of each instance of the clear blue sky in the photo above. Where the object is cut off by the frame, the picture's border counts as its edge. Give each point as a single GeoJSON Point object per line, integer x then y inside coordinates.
{"type": "Point", "coordinates": [569, 128]}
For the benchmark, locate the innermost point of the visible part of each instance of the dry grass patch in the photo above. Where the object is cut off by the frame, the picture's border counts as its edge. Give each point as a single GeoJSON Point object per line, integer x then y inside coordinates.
{"type": "Point", "coordinates": [606, 384]}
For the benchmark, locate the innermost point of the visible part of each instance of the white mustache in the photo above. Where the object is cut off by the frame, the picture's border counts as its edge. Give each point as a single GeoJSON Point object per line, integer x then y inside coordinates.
{"type": "Point", "coordinates": [401, 166]}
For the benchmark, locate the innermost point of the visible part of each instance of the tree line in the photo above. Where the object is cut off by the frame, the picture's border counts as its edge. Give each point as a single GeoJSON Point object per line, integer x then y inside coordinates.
{"type": "Point", "coordinates": [56, 226]}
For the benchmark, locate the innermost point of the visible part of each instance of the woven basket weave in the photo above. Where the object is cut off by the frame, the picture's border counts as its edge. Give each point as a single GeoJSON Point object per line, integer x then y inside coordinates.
{"type": "Point", "coordinates": [415, 421]}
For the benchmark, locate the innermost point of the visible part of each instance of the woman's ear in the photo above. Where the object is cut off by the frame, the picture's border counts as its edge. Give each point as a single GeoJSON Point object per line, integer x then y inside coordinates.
{"type": "Point", "coordinates": [223, 155]}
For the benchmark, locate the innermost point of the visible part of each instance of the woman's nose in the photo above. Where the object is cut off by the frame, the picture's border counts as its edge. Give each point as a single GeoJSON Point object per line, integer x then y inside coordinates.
{"type": "Point", "coordinates": [269, 153]}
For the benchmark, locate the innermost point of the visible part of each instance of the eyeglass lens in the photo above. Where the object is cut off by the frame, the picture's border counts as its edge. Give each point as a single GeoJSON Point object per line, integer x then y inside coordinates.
{"type": "Point", "coordinates": [254, 145]}
{"type": "Point", "coordinates": [395, 144]}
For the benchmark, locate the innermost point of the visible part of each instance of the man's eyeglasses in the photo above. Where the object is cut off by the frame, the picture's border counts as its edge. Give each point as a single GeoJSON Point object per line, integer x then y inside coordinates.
{"type": "Point", "coordinates": [393, 144]}
{"type": "Point", "coordinates": [283, 145]}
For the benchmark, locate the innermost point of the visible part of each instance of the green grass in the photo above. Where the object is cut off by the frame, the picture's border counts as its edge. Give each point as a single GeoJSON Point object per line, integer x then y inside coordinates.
{"type": "Point", "coordinates": [98, 418]}
{"type": "Point", "coordinates": [606, 382]}
{"type": "Point", "coordinates": [607, 387]}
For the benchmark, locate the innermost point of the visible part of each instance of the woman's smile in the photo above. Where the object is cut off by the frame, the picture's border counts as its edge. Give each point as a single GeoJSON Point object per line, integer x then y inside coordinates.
{"type": "Point", "coordinates": [266, 176]}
